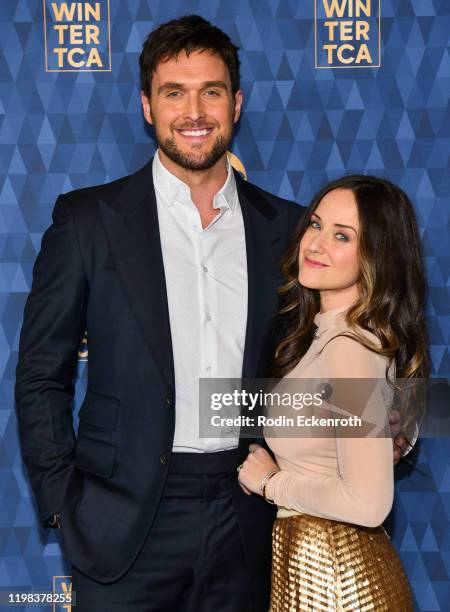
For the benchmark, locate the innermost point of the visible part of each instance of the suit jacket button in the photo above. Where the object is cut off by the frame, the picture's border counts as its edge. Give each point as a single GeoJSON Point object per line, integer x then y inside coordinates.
{"type": "Point", "coordinates": [169, 400]}
{"type": "Point", "coordinates": [163, 459]}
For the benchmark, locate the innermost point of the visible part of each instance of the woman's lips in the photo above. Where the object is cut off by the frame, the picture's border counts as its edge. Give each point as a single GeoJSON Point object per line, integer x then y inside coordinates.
{"type": "Point", "coordinates": [313, 263]}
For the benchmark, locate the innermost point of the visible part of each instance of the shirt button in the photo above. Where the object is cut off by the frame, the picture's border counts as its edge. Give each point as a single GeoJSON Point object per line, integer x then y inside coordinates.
{"type": "Point", "coordinates": [169, 400]}
{"type": "Point", "coordinates": [208, 368]}
{"type": "Point", "coordinates": [204, 268]}
{"type": "Point", "coordinates": [163, 459]}
{"type": "Point", "coordinates": [208, 317]}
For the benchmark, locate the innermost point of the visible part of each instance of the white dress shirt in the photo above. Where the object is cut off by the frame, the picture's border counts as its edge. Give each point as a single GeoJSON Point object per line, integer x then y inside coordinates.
{"type": "Point", "coordinates": [206, 279]}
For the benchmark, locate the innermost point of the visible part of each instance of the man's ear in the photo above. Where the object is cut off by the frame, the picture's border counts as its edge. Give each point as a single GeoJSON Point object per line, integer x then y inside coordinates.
{"type": "Point", "coordinates": [146, 108]}
{"type": "Point", "coordinates": [238, 99]}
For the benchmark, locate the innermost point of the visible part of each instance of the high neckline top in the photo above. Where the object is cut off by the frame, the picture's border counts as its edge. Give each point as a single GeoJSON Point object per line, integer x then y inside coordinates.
{"type": "Point", "coordinates": [345, 478]}
{"type": "Point", "coordinates": [323, 320]}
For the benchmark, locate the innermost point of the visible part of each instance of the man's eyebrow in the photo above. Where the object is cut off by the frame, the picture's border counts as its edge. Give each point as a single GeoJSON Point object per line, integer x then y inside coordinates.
{"type": "Point", "coordinates": [204, 85]}
{"type": "Point", "coordinates": [170, 85]}
{"type": "Point", "coordinates": [337, 224]}
{"type": "Point", "coordinates": [219, 84]}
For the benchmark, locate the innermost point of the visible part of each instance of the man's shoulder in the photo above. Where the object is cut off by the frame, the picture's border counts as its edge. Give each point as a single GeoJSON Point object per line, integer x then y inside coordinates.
{"type": "Point", "coordinates": [282, 205]}
{"type": "Point", "coordinates": [84, 197]}
{"type": "Point", "coordinates": [274, 200]}
{"type": "Point", "coordinates": [96, 192]}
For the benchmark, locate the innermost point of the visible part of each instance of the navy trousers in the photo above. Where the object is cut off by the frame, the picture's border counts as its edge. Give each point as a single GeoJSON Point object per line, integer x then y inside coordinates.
{"type": "Point", "coordinates": [192, 559]}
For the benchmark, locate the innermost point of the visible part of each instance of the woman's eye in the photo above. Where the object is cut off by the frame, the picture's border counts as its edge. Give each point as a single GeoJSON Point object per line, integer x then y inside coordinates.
{"type": "Point", "coordinates": [314, 224]}
{"type": "Point", "coordinates": [342, 237]}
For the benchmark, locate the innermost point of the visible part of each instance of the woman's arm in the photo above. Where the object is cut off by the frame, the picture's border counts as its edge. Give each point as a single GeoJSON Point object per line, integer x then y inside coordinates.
{"type": "Point", "coordinates": [362, 491]}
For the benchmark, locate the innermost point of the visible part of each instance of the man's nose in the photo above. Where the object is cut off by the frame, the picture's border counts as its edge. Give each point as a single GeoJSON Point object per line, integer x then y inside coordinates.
{"type": "Point", "coordinates": [194, 107]}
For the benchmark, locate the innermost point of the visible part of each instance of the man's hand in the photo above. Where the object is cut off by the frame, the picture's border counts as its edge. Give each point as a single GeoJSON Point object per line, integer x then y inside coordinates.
{"type": "Point", "coordinates": [400, 442]}
{"type": "Point", "coordinates": [257, 465]}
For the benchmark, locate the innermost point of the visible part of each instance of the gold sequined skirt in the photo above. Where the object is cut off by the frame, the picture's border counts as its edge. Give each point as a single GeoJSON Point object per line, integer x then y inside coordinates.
{"type": "Point", "coordinates": [319, 564]}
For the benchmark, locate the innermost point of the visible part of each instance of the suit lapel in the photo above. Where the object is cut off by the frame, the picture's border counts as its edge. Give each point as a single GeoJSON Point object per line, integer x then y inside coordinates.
{"type": "Point", "coordinates": [131, 224]}
{"type": "Point", "coordinates": [132, 229]}
{"type": "Point", "coordinates": [263, 230]}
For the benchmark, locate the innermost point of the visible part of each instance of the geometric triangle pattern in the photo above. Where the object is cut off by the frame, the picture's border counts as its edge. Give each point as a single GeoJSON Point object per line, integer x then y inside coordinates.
{"type": "Point", "coordinates": [301, 128]}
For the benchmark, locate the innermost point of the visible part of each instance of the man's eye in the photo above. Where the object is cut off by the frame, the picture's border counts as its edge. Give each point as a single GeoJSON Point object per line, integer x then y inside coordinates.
{"type": "Point", "coordinates": [173, 94]}
{"type": "Point", "coordinates": [211, 92]}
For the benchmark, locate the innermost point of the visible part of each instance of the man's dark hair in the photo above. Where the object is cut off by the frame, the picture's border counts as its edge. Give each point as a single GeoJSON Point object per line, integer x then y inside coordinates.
{"type": "Point", "coordinates": [190, 33]}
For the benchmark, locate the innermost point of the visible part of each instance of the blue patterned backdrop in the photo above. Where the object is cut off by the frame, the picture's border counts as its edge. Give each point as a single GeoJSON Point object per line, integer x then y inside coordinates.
{"type": "Point", "coordinates": [301, 127]}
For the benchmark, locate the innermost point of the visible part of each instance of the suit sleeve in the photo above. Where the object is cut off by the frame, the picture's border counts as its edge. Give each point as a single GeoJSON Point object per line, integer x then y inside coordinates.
{"type": "Point", "coordinates": [53, 325]}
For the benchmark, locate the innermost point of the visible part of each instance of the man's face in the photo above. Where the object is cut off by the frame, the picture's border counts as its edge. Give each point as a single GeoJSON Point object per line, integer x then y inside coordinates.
{"type": "Point", "coordinates": [192, 109]}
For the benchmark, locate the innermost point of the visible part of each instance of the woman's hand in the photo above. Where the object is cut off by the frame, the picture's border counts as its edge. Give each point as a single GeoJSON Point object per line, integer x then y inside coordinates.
{"type": "Point", "coordinates": [257, 465]}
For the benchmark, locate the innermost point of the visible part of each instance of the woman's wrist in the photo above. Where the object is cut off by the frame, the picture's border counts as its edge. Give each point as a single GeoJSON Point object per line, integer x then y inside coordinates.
{"type": "Point", "coordinates": [265, 481]}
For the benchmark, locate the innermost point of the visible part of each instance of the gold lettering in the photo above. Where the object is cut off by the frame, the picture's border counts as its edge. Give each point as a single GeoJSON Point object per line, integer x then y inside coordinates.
{"type": "Point", "coordinates": [364, 7]}
{"type": "Point", "coordinates": [66, 606]}
{"type": "Point", "coordinates": [71, 57]}
{"type": "Point", "coordinates": [89, 11]}
{"type": "Point", "coordinates": [84, 10]}
{"type": "Point", "coordinates": [364, 55]}
{"type": "Point", "coordinates": [60, 52]}
{"type": "Point", "coordinates": [335, 8]}
{"type": "Point", "coordinates": [92, 35]}
{"type": "Point", "coordinates": [346, 30]}
{"type": "Point", "coordinates": [73, 36]}
{"type": "Point", "coordinates": [330, 25]}
{"type": "Point", "coordinates": [63, 13]}
{"type": "Point", "coordinates": [76, 34]}
{"type": "Point", "coordinates": [352, 8]}
{"type": "Point", "coordinates": [329, 49]}
{"type": "Point", "coordinates": [60, 28]}
{"type": "Point", "coordinates": [94, 58]}
{"type": "Point", "coordinates": [340, 54]}
{"type": "Point", "coordinates": [362, 30]}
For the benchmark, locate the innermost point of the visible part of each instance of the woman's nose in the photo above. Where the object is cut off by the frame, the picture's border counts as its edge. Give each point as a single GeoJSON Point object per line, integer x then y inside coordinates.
{"type": "Point", "coordinates": [317, 244]}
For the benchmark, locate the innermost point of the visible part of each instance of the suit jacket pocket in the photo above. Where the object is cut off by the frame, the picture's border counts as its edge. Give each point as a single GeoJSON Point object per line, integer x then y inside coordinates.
{"type": "Point", "coordinates": [94, 456]}
{"type": "Point", "coordinates": [95, 449]}
{"type": "Point", "coordinates": [99, 410]}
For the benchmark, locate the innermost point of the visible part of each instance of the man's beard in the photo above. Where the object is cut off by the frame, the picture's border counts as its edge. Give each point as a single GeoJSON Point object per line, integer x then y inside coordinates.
{"type": "Point", "coordinates": [190, 162]}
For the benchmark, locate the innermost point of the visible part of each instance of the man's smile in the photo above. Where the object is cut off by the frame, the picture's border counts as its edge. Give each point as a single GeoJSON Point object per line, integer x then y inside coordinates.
{"type": "Point", "coordinates": [195, 134]}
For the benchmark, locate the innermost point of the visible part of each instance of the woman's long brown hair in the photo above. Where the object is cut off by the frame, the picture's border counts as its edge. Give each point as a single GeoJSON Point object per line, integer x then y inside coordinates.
{"type": "Point", "coordinates": [392, 285]}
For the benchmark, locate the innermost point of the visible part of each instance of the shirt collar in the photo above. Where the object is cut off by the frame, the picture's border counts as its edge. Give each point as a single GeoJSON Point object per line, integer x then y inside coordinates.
{"type": "Point", "coordinates": [330, 318]}
{"type": "Point", "coordinates": [169, 186]}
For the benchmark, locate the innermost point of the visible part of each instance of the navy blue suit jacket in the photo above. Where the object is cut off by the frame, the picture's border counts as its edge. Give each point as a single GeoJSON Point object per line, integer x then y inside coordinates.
{"type": "Point", "coordinates": [100, 269]}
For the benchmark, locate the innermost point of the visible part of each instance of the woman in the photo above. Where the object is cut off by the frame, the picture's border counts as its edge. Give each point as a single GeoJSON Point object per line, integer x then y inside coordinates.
{"type": "Point", "coordinates": [353, 308]}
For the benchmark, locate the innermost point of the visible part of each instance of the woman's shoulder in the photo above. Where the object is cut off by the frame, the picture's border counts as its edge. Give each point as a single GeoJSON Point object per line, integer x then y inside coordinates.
{"type": "Point", "coordinates": [352, 353]}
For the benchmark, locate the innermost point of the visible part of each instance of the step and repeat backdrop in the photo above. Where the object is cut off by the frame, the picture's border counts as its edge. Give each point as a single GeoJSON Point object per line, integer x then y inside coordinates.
{"type": "Point", "coordinates": [331, 87]}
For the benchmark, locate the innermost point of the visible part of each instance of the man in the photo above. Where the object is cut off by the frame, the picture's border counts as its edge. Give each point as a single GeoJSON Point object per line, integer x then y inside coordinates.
{"type": "Point", "coordinates": [173, 271]}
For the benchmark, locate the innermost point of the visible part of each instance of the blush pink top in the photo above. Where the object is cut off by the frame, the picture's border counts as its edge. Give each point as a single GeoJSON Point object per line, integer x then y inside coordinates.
{"type": "Point", "coordinates": [346, 479]}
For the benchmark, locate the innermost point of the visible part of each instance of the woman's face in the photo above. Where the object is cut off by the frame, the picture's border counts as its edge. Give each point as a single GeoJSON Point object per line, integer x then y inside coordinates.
{"type": "Point", "coordinates": [328, 253]}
